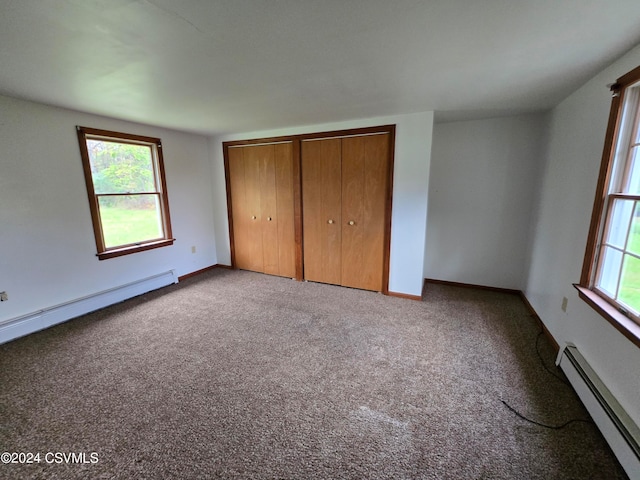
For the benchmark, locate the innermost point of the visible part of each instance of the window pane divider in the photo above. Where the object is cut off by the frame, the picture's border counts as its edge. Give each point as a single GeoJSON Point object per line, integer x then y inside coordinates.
{"type": "Point", "coordinates": [127, 193]}
{"type": "Point", "coordinates": [625, 196]}
{"type": "Point", "coordinates": [631, 254]}
{"type": "Point", "coordinates": [614, 247]}
{"type": "Point", "coordinates": [624, 252]}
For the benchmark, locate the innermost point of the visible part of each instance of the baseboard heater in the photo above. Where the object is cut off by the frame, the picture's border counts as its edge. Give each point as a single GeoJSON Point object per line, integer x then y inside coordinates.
{"type": "Point", "coordinates": [47, 317]}
{"type": "Point", "coordinates": [620, 431]}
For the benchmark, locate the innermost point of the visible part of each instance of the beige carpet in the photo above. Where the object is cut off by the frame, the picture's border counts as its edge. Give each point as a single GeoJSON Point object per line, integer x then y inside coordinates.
{"type": "Point", "coordinates": [241, 375]}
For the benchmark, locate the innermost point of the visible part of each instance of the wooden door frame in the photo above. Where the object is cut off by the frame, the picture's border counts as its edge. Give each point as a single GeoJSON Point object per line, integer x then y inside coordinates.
{"type": "Point", "coordinates": [296, 141]}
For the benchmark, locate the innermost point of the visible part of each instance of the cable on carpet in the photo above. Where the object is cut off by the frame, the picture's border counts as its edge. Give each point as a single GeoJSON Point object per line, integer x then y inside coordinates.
{"type": "Point", "coordinates": [552, 427]}
{"type": "Point", "coordinates": [537, 344]}
{"type": "Point", "coordinates": [563, 380]}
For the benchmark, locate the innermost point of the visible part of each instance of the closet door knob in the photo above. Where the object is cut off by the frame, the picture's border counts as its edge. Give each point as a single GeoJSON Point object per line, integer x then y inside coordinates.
{"type": "Point", "coordinates": [329, 222]}
{"type": "Point", "coordinates": [253, 217]}
{"type": "Point", "coordinates": [351, 222]}
{"type": "Point", "coordinates": [269, 218]}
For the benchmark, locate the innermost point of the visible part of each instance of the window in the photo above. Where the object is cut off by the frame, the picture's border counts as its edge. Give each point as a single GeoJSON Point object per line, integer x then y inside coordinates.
{"type": "Point", "coordinates": [611, 270]}
{"type": "Point", "coordinates": [127, 191]}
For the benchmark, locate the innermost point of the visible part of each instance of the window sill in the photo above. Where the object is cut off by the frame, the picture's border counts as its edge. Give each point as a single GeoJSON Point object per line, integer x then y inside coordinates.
{"type": "Point", "coordinates": [118, 252]}
{"type": "Point", "coordinates": [622, 323]}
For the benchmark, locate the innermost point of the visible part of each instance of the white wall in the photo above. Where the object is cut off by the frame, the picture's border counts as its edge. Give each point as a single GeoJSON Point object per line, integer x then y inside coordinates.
{"type": "Point", "coordinates": [482, 188]}
{"type": "Point", "coordinates": [576, 135]}
{"type": "Point", "coordinates": [411, 177]}
{"type": "Point", "coordinates": [47, 246]}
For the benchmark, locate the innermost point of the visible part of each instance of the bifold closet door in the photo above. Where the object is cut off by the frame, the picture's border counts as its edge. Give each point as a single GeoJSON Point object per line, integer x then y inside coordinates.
{"type": "Point", "coordinates": [345, 184]}
{"type": "Point", "coordinates": [262, 204]}
{"type": "Point", "coordinates": [365, 180]}
{"type": "Point", "coordinates": [322, 210]}
{"type": "Point", "coordinates": [285, 209]}
{"type": "Point", "coordinates": [244, 179]}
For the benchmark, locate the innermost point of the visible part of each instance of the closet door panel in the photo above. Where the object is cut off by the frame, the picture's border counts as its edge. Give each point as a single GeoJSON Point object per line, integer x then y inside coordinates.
{"type": "Point", "coordinates": [321, 199]}
{"type": "Point", "coordinates": [376, 182]}
{"type": "Point", "coordinates": [285, 209]}
{"type": "Point", "coordinates": [353, 187]}
{"type": "Point", "coordinates": [252, 157]}
{"type": "Point", "coordinates": [365, 178]}
{"type": "Point", "coordinates": [331, 220]}
{"type": "Point", "coordinates": [240, 212]}
{"type": "Point", "coordinates": [268, 209]}
{"type": "Point", "coordinates": [311, 168]}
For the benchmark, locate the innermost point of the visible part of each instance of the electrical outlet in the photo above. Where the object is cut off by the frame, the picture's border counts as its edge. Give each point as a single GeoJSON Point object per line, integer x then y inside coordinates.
{"type": "Point", "coordinates": [193, 249]}
{"type": "Point", "coordinates": [565, 301]}
{"type": "Point", "coordinates": [4, 296]}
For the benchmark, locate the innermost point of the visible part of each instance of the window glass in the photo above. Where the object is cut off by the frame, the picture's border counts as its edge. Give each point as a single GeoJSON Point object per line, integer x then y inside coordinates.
{"type": "Point", "coordinates": [619, 223]}
{"type": "Point", "coordinates": [634, 171]}
{"type": "Point", "coordinates": [130, 219]}
{"type": "Point", "coordinates": [610, 271]}
{"type": "Point", "coordinates": [121, 167]}
{"type": "Point", "coordinates": [633, 242]}
{"type": "Point", "coordinates": [629, 294]}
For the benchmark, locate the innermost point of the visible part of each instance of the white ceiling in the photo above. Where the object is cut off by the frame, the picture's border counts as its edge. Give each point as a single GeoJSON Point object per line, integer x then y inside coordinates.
{"type": "Point", "coordinates": [241, 65]}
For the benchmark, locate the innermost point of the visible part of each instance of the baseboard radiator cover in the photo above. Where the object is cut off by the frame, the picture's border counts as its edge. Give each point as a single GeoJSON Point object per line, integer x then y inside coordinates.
{"type": "Point", "coordinates": [619, 430]}
{"type": "Point", "coordinates": [47, 317]}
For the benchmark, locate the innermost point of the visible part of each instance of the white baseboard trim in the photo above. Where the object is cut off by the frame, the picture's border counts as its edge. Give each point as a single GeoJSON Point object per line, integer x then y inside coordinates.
{"type": "Point", "coordinates": [47, 317]}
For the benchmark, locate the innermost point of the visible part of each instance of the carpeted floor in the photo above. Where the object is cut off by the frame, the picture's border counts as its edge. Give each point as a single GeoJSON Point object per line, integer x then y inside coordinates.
{"type": "Point", "coordinates": [240, 375]}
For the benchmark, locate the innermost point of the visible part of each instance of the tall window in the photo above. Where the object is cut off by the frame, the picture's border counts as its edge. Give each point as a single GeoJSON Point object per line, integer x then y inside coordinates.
{"type": "Point", "coordinates": [612, 261]}
{"type": "Point", "coordinates": [127, 191]}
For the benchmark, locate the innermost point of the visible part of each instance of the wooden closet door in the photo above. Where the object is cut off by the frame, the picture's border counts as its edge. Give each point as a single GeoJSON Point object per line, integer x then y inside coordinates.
{"type": "Point", "coordinates": [321, 210]}
{"type": "Point", "coordinates": [365, 179]}
{"type": "Point", "coordinates": [253, 157]}
{"type": "Point", "coordinates": [241, 212]}
{"type": "Point", "coordinates": [261, 182]}
{"type": "Point", "coordinates": [268, 208]}
{"type": "Point", "coordinates": [285, 215]}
